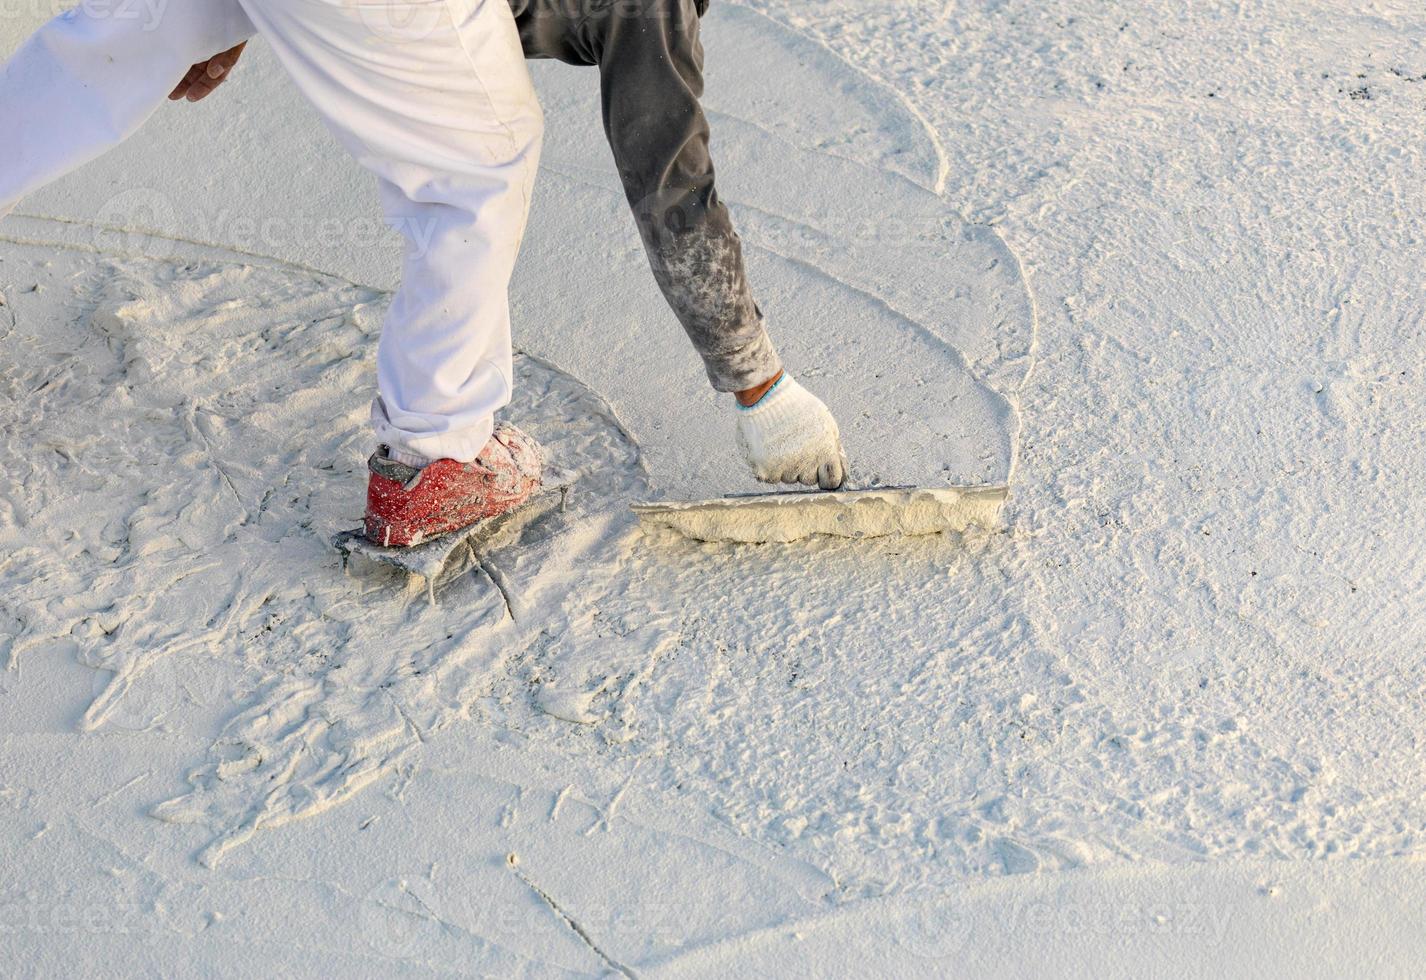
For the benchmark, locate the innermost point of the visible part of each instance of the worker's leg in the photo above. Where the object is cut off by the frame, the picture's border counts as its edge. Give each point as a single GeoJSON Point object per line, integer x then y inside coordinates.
{"type": "Point", "coordinates": [651, 77]}
{"type": "Point", "coordinates": [89, 78]}
{"type": "Point", "coordinates": [433, 98]}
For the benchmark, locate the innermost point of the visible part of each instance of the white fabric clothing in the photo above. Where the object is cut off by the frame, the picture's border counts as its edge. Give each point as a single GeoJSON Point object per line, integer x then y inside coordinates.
{"type": "Point", "coordinates": [431, 96]}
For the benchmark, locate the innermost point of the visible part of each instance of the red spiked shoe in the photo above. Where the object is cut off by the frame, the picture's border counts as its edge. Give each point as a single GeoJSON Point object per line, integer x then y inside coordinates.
{"type": "Point", "coordinates": [406, 506]}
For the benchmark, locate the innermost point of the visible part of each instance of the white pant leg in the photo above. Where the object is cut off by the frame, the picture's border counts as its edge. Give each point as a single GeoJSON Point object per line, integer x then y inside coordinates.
{"type": "Point", "coordinates": [89, 79]}
{"type": "Point", "coordinates": [434, 98]}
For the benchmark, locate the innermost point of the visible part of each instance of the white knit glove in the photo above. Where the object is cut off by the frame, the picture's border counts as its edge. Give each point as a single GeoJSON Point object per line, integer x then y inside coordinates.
{"type": "Point", "coordinates": [789, 436]}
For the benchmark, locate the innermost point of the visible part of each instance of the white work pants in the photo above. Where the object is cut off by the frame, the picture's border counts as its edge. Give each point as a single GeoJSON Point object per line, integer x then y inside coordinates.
{"type": "Point", "coordinates": [432, 96]}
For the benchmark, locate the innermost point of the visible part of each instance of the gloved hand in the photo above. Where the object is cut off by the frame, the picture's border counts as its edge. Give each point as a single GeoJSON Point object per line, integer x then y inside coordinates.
{"type": "Point", "coordinates": [789, 436]}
